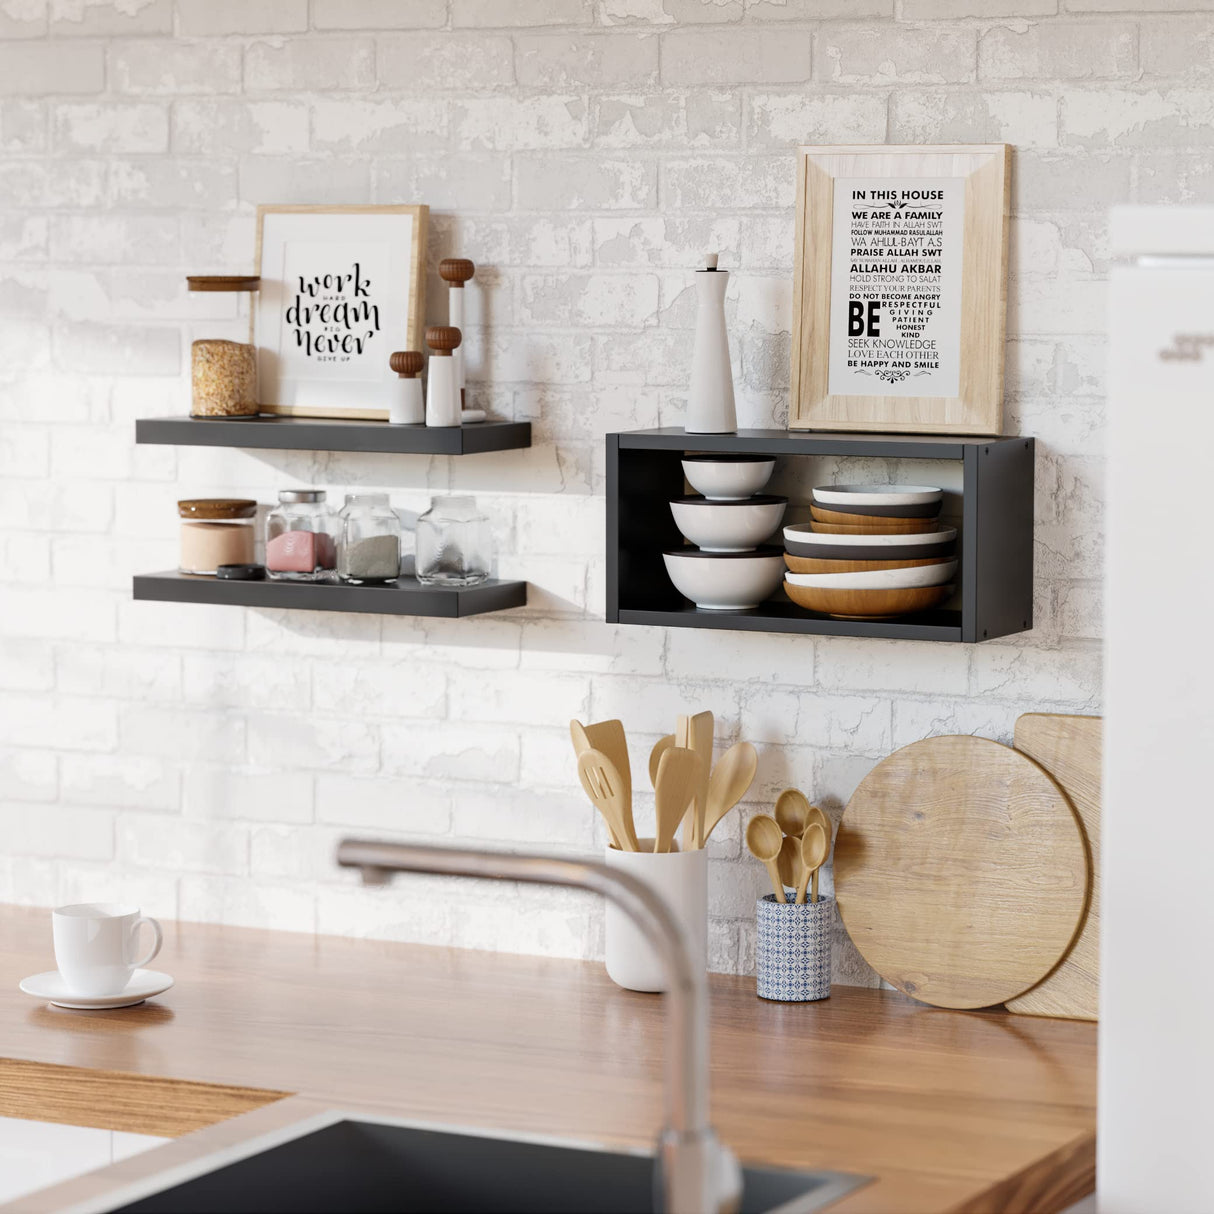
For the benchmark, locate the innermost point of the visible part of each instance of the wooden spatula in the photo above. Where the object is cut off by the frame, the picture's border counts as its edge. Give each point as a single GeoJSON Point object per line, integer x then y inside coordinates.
{"type": "Point", "coordinates": [605, 788]}
{"type": "Point", "coordinates": [655, 757]}
{"type": "Point", "coordinates": [609, 739]}
{"type": "Point", "coordinates": [673, 792]}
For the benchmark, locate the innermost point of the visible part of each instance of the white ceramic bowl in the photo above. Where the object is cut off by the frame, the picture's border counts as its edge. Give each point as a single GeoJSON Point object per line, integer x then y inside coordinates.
{"type": "Point", "coordinates": [730, 478]}
{"type": "Point", "coordinates": [878, 579]}
{"type": "Point", "coordinates": [726, 581]}
{"type": "Point", "coordinates": [728, 526]}
{"type": "Point", "coordinates": [877, 495]}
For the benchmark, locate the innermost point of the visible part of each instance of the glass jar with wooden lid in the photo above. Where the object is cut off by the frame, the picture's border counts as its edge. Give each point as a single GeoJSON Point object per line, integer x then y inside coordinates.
{"type": "Point", "coordinates": [215, 531]}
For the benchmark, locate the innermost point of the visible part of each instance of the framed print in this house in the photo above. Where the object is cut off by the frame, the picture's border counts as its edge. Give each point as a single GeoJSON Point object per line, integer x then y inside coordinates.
{"type": "Point", "coordinates": [341, 289]}
{"type": "Point", "coordinates": [900, 288]}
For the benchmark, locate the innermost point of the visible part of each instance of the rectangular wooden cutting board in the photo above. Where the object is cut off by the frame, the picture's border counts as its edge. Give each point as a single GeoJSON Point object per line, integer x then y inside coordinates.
{"type": "Point", "coordinates": [1069, 748]}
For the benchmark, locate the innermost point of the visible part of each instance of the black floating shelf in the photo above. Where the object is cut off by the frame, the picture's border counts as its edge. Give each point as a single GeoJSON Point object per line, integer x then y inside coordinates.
{"type": "Point", "coordinates": [995, 545]}
{"type": "Point", "coordinates": [405, 596]}
{"type": "Point", "coordinates": [333, 434]}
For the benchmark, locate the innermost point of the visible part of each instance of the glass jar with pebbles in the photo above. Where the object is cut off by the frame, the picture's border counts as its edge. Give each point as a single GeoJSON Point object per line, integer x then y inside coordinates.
{"type": "Point", "coordinates": [215, 531]}
{"type": "Point", "coordinates": [368, 546]}
{"type": "Point", "coordinates": [454, 544]}
{"type": "Point", "coordinates": [301, 537]}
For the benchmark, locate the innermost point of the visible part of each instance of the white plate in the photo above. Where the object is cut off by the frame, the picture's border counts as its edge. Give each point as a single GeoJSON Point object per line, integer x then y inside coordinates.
{"type": "Point", "coordinates": [50, 986]}
{"type": "Point", "coordinates": [878, 579]}
{"type": "Point", "coordinates": [803, 533]}
{"type": "Point", "coordinates": [877, 495]}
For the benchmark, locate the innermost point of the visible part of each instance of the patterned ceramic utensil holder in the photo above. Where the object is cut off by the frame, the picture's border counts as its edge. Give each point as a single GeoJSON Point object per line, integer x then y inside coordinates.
{"type": "Point", "coordinates": [792, 960]}
{"type": "Point", "coordinates": [679, 877]}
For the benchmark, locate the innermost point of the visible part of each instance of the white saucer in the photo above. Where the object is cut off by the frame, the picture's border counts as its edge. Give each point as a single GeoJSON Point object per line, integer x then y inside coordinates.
{"type": "Point", "coordinates": [143, 985]}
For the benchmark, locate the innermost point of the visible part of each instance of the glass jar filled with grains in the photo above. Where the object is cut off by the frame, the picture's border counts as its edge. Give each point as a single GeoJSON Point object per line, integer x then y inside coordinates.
{"type": "Point", "coordinates": [215, 531]}
{"type": "Point", "coordinates": [368, 545]}
{"type": "Point", "coordinates": [301, 537]}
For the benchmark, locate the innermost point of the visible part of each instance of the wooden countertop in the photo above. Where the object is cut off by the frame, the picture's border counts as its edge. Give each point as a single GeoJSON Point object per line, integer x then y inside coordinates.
{"type": "Point", "coordinates": [947, 1110]}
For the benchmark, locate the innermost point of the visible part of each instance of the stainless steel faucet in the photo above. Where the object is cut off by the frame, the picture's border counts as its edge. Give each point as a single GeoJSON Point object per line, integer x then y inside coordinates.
{"type": "Point", "coordinates": [697, 1173]}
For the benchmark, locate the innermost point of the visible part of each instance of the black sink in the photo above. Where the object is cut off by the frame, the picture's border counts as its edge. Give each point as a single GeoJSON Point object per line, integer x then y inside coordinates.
{"type": "Point", "coordinates": [365, 1167]}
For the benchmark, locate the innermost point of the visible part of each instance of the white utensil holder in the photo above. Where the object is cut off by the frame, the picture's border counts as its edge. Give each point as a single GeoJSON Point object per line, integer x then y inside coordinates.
{"type": "Point", "coordinates": [792, 955]}
{"type": "Point", "coordinates": [681, 880]}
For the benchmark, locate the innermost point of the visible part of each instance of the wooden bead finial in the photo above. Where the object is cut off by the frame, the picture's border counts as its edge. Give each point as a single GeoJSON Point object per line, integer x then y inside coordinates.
{"type": "Point", "coordinates": [442, 339]}
{"type": "Point", "coordinates": [455, 270]}
{"type": "Point", "coordinates": [406, 363]}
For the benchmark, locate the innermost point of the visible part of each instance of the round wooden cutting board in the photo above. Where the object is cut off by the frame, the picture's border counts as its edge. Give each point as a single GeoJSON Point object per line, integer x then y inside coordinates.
{"type": "Point", "coordinates": [960, 871]}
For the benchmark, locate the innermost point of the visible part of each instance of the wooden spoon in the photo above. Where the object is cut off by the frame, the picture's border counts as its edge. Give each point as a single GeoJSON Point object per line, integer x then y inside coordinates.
{"type": "Point", "coordinates": [789, 861]}
{"type": "Point", "coordinates": [605, 788]}
{"type": "Point", "coordinates": [700, 732]}
{"type": "Point", "coordinates": [764, 839]}
{"type": "Point", "coordinates": [815, 847]}
{"type": "Point", "coordinates": [817, 815]}
{"type": "Point", "coordinates": [672, 793]}
{"type": "Point", "coordinates": [660, 747]}
{"type": "Point", "coordinates": [793, 812]}
{"type": "Point", "coordinates": [728, 783]}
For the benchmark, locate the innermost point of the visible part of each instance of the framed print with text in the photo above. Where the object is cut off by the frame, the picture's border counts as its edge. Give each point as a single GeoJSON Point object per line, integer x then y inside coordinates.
{"type": "Point", "coordinates": [341, 289]}
{"type": "Point", "coordinates": [900, 288]}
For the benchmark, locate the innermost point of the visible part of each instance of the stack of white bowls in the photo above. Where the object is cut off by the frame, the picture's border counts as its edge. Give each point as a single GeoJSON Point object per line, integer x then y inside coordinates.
{"type": "Point", "coordinates": [727, 521]}
{"type": "Point", "coordinates": [871, 552]}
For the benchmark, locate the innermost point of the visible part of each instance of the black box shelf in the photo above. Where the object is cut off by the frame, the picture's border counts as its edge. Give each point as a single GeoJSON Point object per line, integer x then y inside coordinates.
{"type": "Point", "coordinates": [995, 543]}
{"type": "Point", "coordinates": [333, 434]}
{"type": "Point", "coordinates": [405, 596]}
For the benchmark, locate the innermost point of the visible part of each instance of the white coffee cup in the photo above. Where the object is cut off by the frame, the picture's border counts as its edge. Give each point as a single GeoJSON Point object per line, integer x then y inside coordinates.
{"type": "Point", "coordinates": [96, 943]}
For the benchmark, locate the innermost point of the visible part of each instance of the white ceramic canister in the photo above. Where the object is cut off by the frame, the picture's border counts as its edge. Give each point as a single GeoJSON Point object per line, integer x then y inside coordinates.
{"type": "Point", "coordinates": [442, 377]}
{"type": "Point", "coordinates": [710, 403]}
{"type": "Point", "coordinates": [681, 880]}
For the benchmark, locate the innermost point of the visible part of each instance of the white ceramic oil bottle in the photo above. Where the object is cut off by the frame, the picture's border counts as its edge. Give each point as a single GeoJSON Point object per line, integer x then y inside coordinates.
{"type": "Point", "coordinates": [710, 406]}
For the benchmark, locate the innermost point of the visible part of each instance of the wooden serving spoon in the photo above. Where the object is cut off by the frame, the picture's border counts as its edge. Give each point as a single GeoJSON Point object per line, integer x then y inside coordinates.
{"type": "Point", "coordinates": [605, 788]}
{"type": "Point", "coordinates": [816, 815]}
{"type": "Point", "coordinates": [728, 783]}
{"type": "Point", "coordinates": [789, 861]}
{"type": "Point", "coordinates": [793, 812]}
{"type": "Point", "coordinates": [764, 839]}
{"type": "Point", "coordinates": [660, 747]}
{"type": "Point", "coordinates": [815, 847]}
{"type": "Point", "coordinates": [672, 793]}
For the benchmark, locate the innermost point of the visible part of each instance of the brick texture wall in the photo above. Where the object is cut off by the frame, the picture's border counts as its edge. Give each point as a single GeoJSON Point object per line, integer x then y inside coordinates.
{"type": "Point", "coordinates": [204, 762]}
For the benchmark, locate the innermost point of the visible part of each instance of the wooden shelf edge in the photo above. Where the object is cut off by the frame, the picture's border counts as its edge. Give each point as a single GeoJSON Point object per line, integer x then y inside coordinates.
{"type": "Point", "coordinates": [268, 432]}
{"type": "Point", "coordinates": [406, 597]}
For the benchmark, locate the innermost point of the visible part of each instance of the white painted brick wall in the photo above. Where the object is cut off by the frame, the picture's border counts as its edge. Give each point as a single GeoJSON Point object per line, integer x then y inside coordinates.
{"type": "Point", "coordinates": [583, 152]}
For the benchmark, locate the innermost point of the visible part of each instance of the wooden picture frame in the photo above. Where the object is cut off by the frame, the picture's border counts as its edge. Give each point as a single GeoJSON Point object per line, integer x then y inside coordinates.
{"type": "Point", "coordinates": [928, 333]}
{"type": "Point", "coordinates": [341, 289]}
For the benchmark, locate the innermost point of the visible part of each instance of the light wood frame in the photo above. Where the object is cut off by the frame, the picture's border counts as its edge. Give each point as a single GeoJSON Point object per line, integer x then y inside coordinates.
{"type": "Point", "coordinates": [411, 339]}
{"type": "Point", "coordinates": [978, 407]}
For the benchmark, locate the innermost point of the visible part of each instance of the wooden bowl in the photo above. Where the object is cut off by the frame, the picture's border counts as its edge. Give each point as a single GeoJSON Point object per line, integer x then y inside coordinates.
{"type": "Point", "coordinates": [873, 522]}
{"type": "Point", "coordinates": [813, 564]}
{"type": "Point", "coordinates": [867, 604]}
{"type": "Point", "coordinates": [896, 526]}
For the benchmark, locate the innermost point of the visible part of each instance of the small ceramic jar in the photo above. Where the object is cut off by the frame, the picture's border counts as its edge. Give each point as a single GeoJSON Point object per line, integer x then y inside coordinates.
{"type": "Point", "coordinates": [215, 531]}
{"type": "Point", "coordinates": [792, 953]}
{"type": "Point", "coordinates": [301, 537]}
{"type": "Point", "coordinates": [368, 547]}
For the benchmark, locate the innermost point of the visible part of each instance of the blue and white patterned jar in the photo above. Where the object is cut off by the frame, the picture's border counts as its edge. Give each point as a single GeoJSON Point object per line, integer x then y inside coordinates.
{"type": "Point", "coordinates": [792, 961]}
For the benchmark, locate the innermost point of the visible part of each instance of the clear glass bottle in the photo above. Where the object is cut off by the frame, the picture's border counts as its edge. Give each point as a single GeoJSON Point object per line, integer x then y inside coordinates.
{"type": "Point", "coordinates": [368, 546]}
{"type": "Point", "coordinates": [301, 537]}
{"type": "Point", "coordinates": [454, 543]}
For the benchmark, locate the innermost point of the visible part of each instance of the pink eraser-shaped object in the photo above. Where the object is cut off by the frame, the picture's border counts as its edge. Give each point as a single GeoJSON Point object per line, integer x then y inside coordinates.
{"type": "Point", "coordinates": [292, 552]}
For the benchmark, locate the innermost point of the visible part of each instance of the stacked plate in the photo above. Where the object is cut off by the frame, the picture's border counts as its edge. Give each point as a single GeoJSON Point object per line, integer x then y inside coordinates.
{"type": "Point", "coordinates": [727, 521]}
{"type": "Point", "coordinates": [872, 552]}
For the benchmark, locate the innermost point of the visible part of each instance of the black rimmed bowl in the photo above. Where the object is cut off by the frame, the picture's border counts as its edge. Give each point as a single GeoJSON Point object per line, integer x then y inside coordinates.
{"type": "Point", "coordinates": [725, 581]}
{"type": "Point", "coordinates": [728, 478]}
{"type": "Point", "coordinates": [728, 526]}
